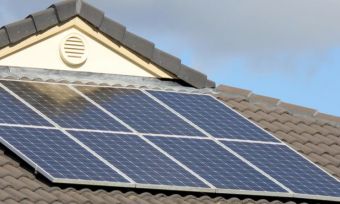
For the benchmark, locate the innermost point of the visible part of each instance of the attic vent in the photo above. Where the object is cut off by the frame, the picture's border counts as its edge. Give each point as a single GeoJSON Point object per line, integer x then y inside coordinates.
{"type": "Point", "coordinates": [73, 50]}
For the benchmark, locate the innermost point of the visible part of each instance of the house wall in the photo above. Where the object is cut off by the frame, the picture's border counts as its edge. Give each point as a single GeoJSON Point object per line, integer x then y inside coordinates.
{"type": "Point", "coordinates": [103, 56]}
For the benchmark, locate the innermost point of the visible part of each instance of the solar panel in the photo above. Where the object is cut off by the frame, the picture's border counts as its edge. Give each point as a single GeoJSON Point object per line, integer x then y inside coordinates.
{"type": "Point", "coordinates": [215, 164]}
{"type": "Point", "coordinates": [57, 155]}
{"type": "Point", "coordinates": [138, 159]}
{"type": "Point", "coordinates": [187, 128]}
{"type": "Point", "coordinates": [212, 116]}
{"type": "Point", "coordinates": [64, 106]}
{"type": "Point", "coordinates": [12, 111]}
{"type": "Point", "coordinates": [289, 168]}
{"type": "Point", "coordinates": [139, 111]}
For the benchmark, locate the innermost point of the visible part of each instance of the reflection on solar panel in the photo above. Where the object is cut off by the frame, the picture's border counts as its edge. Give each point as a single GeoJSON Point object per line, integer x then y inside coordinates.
{"type": "Point", "coordinates": [212, 162]}
{"type": "Point", "coordinates": [288, 167]}
{"type": "Point", "coordinates": [139, 111]}
{"type": "Point", "coordinates": [160, 140]}
{"type": "Point", "coordinates": [57, 155]}
{"type": "Point", "coordinates": [213, 117]}
{"type": "Point", "coordinates": [13, 111]}
{"type": "Point", "coordinates": [64, 106]}
{"type": "Point", "coordinates": [139, 160]}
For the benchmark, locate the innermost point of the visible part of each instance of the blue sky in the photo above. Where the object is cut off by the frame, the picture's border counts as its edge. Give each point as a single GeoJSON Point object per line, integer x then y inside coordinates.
{"type": "Point", "coordinates": [287, 49]}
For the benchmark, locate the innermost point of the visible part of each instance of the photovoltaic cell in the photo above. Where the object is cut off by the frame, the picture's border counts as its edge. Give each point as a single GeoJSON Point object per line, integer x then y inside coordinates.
{"type": "Point", "coordinates": [139, 111]}
{"type": "Point", "coordinates": [12, 111]}
{"type": "Point", "coordinates": [212, 116]}
{"type": "Point", "coordinates": [139, 160]}
{"type": "Point", "coordinates": [289, 168]}
{"type": "Point", "coordinates": [58, 155]}
{"type": "Point", "coordinates": [64, 106]}
{"type": "Point", "coordinates": [215, 164]}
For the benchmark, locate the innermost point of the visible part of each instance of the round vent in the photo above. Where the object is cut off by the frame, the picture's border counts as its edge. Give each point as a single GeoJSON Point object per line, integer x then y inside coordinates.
{"type": "Point", "coordinates": [73, 50]}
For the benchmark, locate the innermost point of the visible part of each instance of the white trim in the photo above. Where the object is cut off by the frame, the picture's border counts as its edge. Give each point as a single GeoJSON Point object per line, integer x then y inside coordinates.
{"type": "Point", "coordinates": [68, 134]}
{"type": "Point", "coordinates": [98, 131]}
{"type": "Point", "coordinates": [104, 86]}
{"type": "Point", "coordinates": [316, 197]}
{"type": "Point", "coordinates": [249, 141]}
{"type": "Point", "coordinates": [133, 133]}
{"type": "Point", "coordinates": [142, 137]}
{"type": "Point", "coordinates": [176, 188]}
{"type": "Point", "coordinates": [175, 136]}
{"type": "Point", "coordinates": [218, 142]}
{"type": "Point", "coordinates": [94, 183]}
{"type": "Point", "coordinates": [27, 126]}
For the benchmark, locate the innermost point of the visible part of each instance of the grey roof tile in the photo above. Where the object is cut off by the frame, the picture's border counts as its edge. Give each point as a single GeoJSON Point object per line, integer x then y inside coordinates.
{"type": "Point", "coordinates": [233, 90]}
{"type": "Point", "coordinates": [44, 19]}
{"type": "Point", "coordinates": [65, 9]}
{"type": "Point", "coordinates": [11, 201]}
{"type": "Point", "coordinates": [20, 30]}
{"type": "Point", "coordinates": [169, 62]}
{"type": "Point", "coordinates": [91, 14]}
{"type": "Point", "coordinates": [298, 109]}
{"type": "Point", "coordinates": [4, 195]}
{"type": "Point", "coordinates": [192, 77]}
{"type": "Point", "coordinates": [138, 44]}
{"type": "Point", "coordinates": [210, 84]}
{"type": "Point", "coordinates": [15, 194]}
{"type": "Point", "coordinates": [264, 99]}
{"type": "Point", "coordinates": [113, 29]}
{"type": "Point", "coordinates": [327, 117]}
{"type": "Point", "coordinates": [4, 41]}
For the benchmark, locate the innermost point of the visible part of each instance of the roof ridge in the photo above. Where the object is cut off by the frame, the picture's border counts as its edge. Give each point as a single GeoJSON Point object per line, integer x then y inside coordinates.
{"type": "Point", "coordinates": [297, 110]}
{"type": "Point", "coordinates": [66, 10]}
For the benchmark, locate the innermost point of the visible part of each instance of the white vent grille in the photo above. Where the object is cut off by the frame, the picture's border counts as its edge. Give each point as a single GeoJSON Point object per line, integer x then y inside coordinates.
{"type": "Point", "coordinates": [73, 50]}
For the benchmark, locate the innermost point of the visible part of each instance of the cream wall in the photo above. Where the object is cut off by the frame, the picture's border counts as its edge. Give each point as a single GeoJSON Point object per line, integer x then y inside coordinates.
{"type": "Point", "coordinates": [100, 59]}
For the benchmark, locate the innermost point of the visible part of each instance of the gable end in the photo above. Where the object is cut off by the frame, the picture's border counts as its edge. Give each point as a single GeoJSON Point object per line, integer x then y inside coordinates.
{"type": "Point", "coordinates": [61, 12]}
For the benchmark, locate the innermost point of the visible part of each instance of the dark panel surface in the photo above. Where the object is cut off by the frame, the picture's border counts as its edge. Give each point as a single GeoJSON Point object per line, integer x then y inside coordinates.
{"type": "Point", "coordinates": [139, 111]}
{"type": "Point", "coordinates": [58, 155]}
{"type": "Point", "coordinates": [139, 160]}
{"type": "Point", "coordinates": [215, 164]}
{"type": "Point", "coordinates": [212, 116]}
{"type": "Point", "coordinates": [12, 111]}
{"type": "Point", "coordinates": [289, 168]}
{"type": "Point", "coordinates": [64, 106]}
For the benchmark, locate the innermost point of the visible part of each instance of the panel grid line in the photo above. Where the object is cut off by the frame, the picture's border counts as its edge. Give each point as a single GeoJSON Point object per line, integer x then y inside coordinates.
{"type": "Point", "coordinates": [27, 126]}
{"type": "Point", "coordinates": [148, 138]}
{"type": "Point", "coordinates": [143, 138]}
{"type": "Point", "coordinates": [219, 143]}
{"type": "Point", "coordinates": [249, 141]}
{"type": "Point", "coordinates": [26, 159]}
{"type": "Point", "coordinates": [294, 150]}
{"type": "Point", "coordinates": [68, 134]}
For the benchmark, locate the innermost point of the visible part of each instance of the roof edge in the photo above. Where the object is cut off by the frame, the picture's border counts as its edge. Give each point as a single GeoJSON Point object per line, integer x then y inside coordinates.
{"type": "Point", "coordinates": [66, 10]}
{"type": "Point", "coordinates": [225, 91]}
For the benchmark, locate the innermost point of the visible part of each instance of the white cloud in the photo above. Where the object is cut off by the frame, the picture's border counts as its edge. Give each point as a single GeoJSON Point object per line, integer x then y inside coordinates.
{"type": "Point", "coordinates": [268, 34]}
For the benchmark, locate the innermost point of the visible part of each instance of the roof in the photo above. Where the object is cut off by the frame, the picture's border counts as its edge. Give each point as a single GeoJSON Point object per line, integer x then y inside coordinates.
{"type": "Point", "coordinates": [315, 135]}
{"type": "Point", "coordinates": [64, 11]}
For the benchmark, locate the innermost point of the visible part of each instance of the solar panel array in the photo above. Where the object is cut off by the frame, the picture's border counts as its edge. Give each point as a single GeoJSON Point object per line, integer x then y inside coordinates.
{"type": "Point", "coordinates": [150, 139]}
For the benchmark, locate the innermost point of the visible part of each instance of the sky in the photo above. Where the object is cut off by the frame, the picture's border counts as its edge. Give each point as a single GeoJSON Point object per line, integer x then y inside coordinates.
{"type": "Point", "coordinates": [286, 49]}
